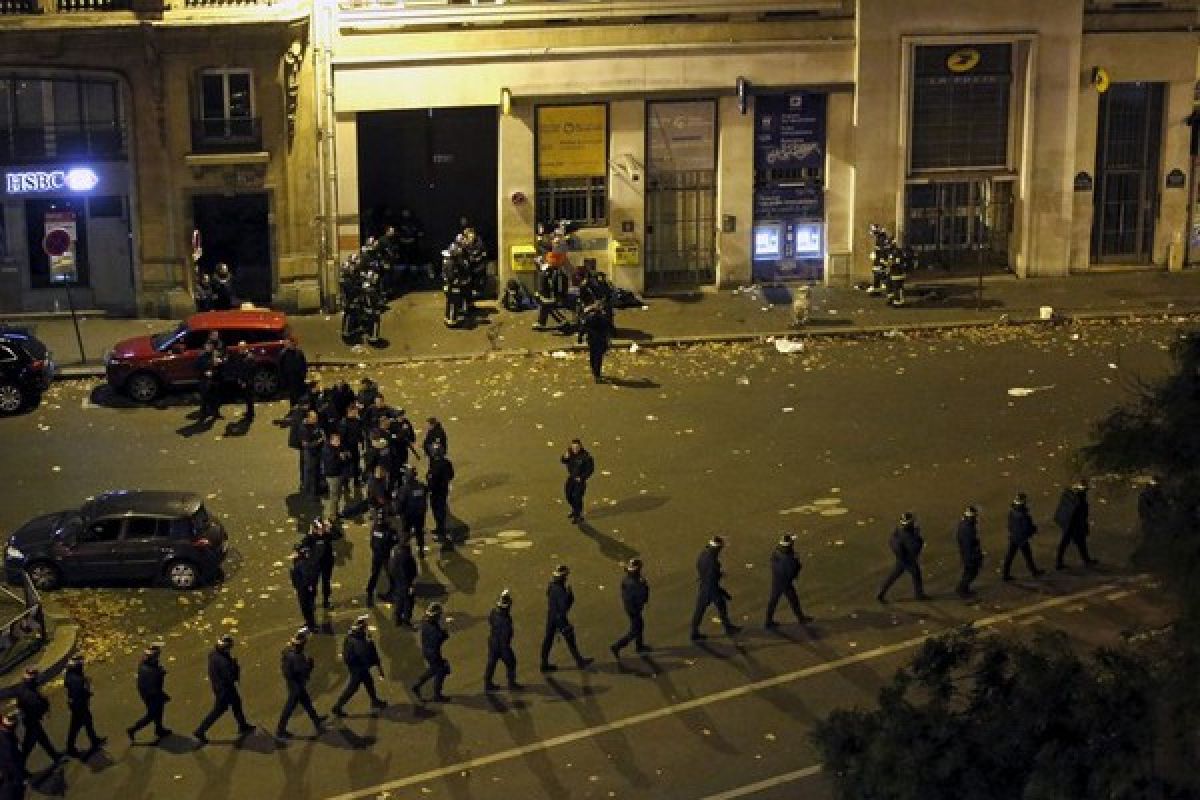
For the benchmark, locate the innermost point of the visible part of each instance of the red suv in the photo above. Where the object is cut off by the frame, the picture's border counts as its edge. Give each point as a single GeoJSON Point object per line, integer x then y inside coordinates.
{"type": "Point", "coordinates": [145, 366]}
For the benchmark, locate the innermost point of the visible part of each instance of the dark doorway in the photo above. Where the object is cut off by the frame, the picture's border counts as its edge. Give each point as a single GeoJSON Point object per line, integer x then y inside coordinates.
{"type": "Point", "coordinates": [234, 229]}
{"type": "Point", "coordinates": [1128, 134]}
{"type": "Point", "coordinates": [440, 163]}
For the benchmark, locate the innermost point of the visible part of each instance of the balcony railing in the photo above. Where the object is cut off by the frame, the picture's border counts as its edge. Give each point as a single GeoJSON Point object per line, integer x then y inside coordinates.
{"type": "Point", "coordinates": [18, 6]}
{"type": "Point", "coordinates": [25, 145]}
{"type": "Point", "coordinates": [226, 135]}
{"type": "Point", "coordinates": [218, 3]}
{"type": "Point", "coordinates": [417, 13]}
{"type": "Point", "coordinates": [93, 5]}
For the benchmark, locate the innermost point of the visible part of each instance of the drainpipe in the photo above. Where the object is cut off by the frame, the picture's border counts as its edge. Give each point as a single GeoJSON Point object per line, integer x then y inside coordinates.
{"type": "Point", "coordinates": [323, 20]}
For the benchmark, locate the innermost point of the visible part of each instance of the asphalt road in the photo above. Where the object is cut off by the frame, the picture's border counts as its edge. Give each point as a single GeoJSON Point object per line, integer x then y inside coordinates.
{"type": "Point", "coordinates": [831, 443]}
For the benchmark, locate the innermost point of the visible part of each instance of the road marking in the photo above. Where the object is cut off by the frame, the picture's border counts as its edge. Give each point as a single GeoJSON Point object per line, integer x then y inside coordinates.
{"type": "Point", "coordinates": [769, 783]}
{"type": "Point", "coordinates": [1116, 595]}
{"type": "Point", "coordinates": [709, 699]}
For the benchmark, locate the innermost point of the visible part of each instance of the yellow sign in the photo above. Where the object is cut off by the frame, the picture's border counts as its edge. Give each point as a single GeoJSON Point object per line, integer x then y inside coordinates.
{"type": "Point", "coordinates": [1101, 80]}
{"type": "Point", "coordinates": [572, 141]}
{"type": "Point", "coordinates": [523, 258]}
{"type": "Point", "coordinates": [625, 253]}
{"type": "Point", "coordinates": [963, 60]}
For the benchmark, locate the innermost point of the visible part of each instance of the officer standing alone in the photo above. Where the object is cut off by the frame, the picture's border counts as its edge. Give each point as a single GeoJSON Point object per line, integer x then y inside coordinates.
{"type": "Point", "coordinates": [970, 551]}
{"type": "Point", "coordinates": [785, 568]}
{"type": "Point", "coordinates": [79, 701]}
{"type": "Point", "coordinates": [500, 649]}
{"type": "Point", "coordinates": [433, 636]}
{"type": "Point", "coordinates": [635, 594]}
{"type": "Point", "coordinates": [224, 672]}
{"type": "Point", "coordinates": [580, 466]}
{"type": "Point", "coordinates": [559, 599]}
{"type": "Point", "coordinates": [151, 686]}
{"type": "Point", "coordinates": [906, 544]}
{"type": "Point", "coordinates": [297, 668]}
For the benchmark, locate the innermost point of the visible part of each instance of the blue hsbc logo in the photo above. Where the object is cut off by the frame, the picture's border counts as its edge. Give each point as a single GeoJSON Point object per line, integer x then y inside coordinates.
{"type": "Point", "coordinates": [75, 179]}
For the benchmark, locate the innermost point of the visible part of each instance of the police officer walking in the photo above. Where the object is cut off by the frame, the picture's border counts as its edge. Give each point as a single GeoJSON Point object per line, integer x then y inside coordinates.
{"type": "Point", "coordinates": [635, 594]}
{"type": "Point", "coordinates": [383, 538]}
{"type": "Point", "coordinates": [906, 544]}
{"type": "Point", "coordinates": [1021, 529]}
{"type": "Point", "coordinates": [12, 764]}
{"type": "Point", "coordinates": [359, 654]}
{"type": "Point", "coordinates": [596, 327]}
{"type": "Point", "coordinates": [785, 568]}
{"type": "Point", "coordinates": [500, 649]}
{"type": "Point", "coordinates": [151, 682]}
{"type": "Point", "coordinates": [709, 590]}
{"type": "Point", "coordinates": [580, 466]}
{"type": "Point", "coordinates": [433, 636]}
{"type": "Point", "coordinates": [34, 707]}
{"type": "Point", "coordinates": [297, 668]}
{"type": "Point", "coordinates": [1072, 519]}
{"type": "Point", "coordinates": [402, 570]}
{"type": "Point", "coordinates": [79, 701]}
{"type": "Point", "coordinates": [559, 599]}
{"type": "Point", "coordinates": [303, 573]}
{"type": "Point", "coordinates": [224, 672]}
{"type": "Point", "coordinates": [441, 472]}
{"type": "Point", "coordinates": [970, 551]}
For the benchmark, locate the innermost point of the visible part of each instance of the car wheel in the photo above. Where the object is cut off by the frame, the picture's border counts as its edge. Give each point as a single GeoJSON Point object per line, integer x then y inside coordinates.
{"type": "Point", "coordinates": [182, 575]}
{"type": "Point", "coordinates": [44, 576]}
{"type": "Point", "coordinates": [11, 398]}
{"type": "Point", "coordinates": [143, 387]}
{"type": "Point", "coordinates": [265, 382]}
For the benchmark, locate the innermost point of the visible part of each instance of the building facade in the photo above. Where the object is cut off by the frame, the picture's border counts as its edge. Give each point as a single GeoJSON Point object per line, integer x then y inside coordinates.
{"type": "Point", "coordinates": [694, 143]}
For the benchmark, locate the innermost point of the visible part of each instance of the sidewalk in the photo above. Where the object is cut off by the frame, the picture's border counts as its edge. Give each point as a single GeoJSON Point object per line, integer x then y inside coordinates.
{"type": "Point", "coordinates": [413, 328]}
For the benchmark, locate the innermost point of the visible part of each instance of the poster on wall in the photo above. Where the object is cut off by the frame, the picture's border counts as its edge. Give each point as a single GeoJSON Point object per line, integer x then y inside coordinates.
{"type": "Point", "coordinates": [572, 141]}
{"type": "Point", "coordinates": [789, 131]}
{"type": "Point", "coordinates": [59, 244]}
{"type": "Point", "coordinates": [682, 135]}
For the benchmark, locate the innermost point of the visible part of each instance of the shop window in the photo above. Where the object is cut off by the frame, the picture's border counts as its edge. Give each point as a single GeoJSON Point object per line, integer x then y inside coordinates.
{"type": "Point", "coordinates": [225, 117]}
{"type": "Point", "coordinates": [960, 107]}
{"type": "Point", "coordinates": [572, 163]}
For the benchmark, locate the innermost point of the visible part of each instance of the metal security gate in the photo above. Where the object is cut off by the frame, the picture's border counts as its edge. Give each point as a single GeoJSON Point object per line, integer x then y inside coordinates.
{"type": "Point", "coordinates": [680, 214]}
{"type": "Point", "coordinates": [681, 193]}
{"type": "Point", "coordinates": [1128, 134]}
{"type": "Point", "coordinates": [960, 225]}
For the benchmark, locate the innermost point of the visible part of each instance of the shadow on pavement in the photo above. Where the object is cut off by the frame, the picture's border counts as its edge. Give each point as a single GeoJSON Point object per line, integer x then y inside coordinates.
{"type": "Point", "coordinates": [610, 548]}
{"type": "Point", "coordinates": [459, 570]}
{"type": "Point", "coordinates": [630, 505]}
{"type": "Point", "coordinates": [632, 383]}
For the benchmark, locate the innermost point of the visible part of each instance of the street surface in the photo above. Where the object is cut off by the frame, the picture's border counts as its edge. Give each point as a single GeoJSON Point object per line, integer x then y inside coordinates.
{"type": "Point", "coordinates": [831, 443]}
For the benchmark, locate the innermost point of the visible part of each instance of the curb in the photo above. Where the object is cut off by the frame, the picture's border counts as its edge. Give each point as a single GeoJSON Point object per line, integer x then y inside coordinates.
{"type": "Point", "coordinates": [88, 371]}
{"type": "Point", "coordinates": [50, 660]}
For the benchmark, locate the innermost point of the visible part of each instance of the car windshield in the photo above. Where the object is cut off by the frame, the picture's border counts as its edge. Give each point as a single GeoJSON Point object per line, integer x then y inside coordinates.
{"type": "Point", "coordinates": [161, 341]}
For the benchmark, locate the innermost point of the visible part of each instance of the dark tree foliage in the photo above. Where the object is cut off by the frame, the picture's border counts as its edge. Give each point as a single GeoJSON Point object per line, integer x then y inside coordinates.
{"type": "Point", "coordinates": [992, 718]}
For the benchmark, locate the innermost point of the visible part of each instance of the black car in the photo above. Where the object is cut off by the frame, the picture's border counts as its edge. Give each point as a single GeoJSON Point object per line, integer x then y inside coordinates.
{"type": "Point", "coordinates": [26, 370]}
{"type": "Point", "coordinates": [123, 535]}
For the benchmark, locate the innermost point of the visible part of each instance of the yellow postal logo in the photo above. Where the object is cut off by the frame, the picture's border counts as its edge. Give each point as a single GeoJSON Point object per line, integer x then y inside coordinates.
{"type": "Point", "coordinates": [963, 60]}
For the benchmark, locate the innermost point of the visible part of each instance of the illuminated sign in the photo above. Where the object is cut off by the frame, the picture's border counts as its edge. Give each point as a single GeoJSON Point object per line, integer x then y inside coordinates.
{"type": "Point", "coordinates": [76, 179]}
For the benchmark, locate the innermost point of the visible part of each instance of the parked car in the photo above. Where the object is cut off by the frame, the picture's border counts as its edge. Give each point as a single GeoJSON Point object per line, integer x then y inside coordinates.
{"type": "Point", "coordinates": [121, 535]}
{"type": "Point", "coordinates": [26, 370]}
{"type": "Point", "coordinates": [145, 366]}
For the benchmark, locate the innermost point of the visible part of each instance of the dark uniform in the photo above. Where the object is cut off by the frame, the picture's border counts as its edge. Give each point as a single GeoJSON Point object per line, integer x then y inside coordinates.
{"type": "Point", "coordinates": [438, 478]}
{"type": "Point", "coordinates": [383, 538]}
{"type": "Point", "coordinates": [635, 594]}
{"type": "Point", "coordinates": [785, 568]}
{"type": "Point", "coordinates": [402, 570]}
{"type": "Point", "coordinates": [325, 559]}
{"type": "Point", "coordinates": [239, 373]}
{"type": "Point", "coordinates": [580, 467]}
{"type": "Point", "coordinates": [551, 295]}
{"type": "Point", "coordinates": [970, 552]}
{"type": "Point", "coordinates": [1153, 509]}
{"type": "Point", "coordinates": [79, 701]}
{"type": "Point", "coordinates": [297, 668]}
{"type": "Point", "coordinates": [709, 590]}
{"type": "Point", "coordinates": [1021, 529]}
{"type": "Point", "coordinates": [151, 680]}
{"type": "Point", "coordinates": [596, 328]}
{"type": "Point", "coordinates": [559, 599]}
{"type": "Point", "coordinates": [293, 373]}
{"type": "Point", "coordinates": [433, 636]}
{"type": "Point", "coordinates": [906, 544]}
{"type": "Point", "coordinates": [304, 577]}
{"type": "Point", "coordinates": [209, 366]}
{"type": "Point", "coordinates": [435, 438]}
{"type": "Point", "coordinates": [223, 675]}
{"type": "Point", "coordinates": [34, 707]}
{"type": "Point", "coordinates": [1072, 519]}
{"type": "Point", "coordinates": [359, 654]}
{"type": "Point", "coordinates": [500, 649]}
{"type": "Point", "coordinates": [312, 440]}
{"type": "Point", "coordinates": [12, 763]}
{"type": "Point", "coordinates": [413, 508]}
{"type": "Point", "coordinates": [352, 432]}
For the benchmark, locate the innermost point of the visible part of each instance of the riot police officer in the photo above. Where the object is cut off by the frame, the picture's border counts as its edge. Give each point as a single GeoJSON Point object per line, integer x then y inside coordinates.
{"type": "Point", "coordinates": [559, 599]}
{"type": "Point", "coordinates": [1021, 529]}
{"type": "Point", "coordinates": [970, 552]}
{"type": "Point", "coordinates": [596, 328]}
{"type": "Point", "coordinates": [359, 654]}
{"type": "Point", "coordinates": [402, 570]}
{"type": "Point", "coordinates": [433, 636]}
{"type": "Point", "coordinates": [13, 775]}
{"type": "Point", "coordinates": [785, 568]}
{"type": "Point", "coordinates": [224, 672]}
{"type": "Point", "coordinates": [580, 466]}
{"type": "Point", "coordinates": [34, 707]}
{"type": "Point", "coordinates": [709, 590]}
{"type": "Point", "coordinates": [635, 594]}
{"type": "Point", "coordinates": [151, 683]}
{"type": "Point", "coordinates": [304, 576]}
{"type": "Point", "coordinates": [297, 668]}
{"type": "Point", "coordinates": [438, 478]}
{"type": "Point", "coordinates": [1072, 519]}
{"type": "Point", "coordinates": [906, 544]}
{"type": "Point", "coordinates": [79, 701]}
{"type": "Point", "coordinates": [500, 649]}
{"type": "Point", "coordinates": [383, 538]}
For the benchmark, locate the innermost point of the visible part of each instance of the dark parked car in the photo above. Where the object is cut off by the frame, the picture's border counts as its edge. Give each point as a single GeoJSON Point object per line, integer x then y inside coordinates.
{"type": "Point", "coordinates": [145, 366]}
{"type": "Point", "coordinates": [124, 535]}
{"type": "Point", "coordinates": [26, 370]}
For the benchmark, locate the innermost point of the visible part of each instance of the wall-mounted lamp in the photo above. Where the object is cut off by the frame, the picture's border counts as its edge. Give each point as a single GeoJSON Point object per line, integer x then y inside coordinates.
{"type": "Point", "coordinates": [505, 101]}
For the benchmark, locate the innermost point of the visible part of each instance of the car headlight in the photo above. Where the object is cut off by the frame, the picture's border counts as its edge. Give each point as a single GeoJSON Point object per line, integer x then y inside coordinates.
{"type": "Point", "coordinates": [14, 553]}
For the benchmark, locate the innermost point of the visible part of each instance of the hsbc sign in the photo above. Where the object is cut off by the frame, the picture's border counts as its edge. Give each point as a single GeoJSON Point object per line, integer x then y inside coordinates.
{"type": "Point", "coordinates": [75, 179]}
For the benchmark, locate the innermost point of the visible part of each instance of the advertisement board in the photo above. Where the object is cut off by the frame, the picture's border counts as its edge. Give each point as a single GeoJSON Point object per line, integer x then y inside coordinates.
{"type": "Point", "coordinates": [572, 141]}
{"type": "Point", "coordinates": [59, 244]}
